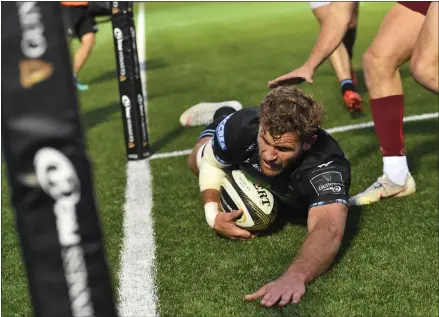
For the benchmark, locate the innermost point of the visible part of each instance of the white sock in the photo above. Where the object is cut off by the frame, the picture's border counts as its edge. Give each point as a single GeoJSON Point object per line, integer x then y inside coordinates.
{"type": "Point", "coordinates": [396, 169]}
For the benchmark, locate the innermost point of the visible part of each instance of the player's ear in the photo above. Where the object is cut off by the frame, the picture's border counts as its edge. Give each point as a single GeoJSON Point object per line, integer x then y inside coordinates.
{"type": "Point", "coordinates": [309, 142]}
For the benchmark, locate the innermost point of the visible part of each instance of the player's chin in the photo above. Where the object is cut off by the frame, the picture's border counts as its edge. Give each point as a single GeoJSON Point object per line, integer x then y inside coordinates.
{"type": "Point", "coordinates": [270, 172]}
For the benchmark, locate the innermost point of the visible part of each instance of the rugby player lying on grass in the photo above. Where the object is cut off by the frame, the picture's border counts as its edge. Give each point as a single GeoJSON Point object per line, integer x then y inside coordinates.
{"type": "Point", "coordinates": [280, 144]}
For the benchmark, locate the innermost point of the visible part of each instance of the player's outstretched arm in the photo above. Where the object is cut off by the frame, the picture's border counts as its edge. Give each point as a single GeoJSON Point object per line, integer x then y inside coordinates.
{"type": "Point", "coordinates": [332, 30]}
{"type": "Point", "coordinates": [325, 231]}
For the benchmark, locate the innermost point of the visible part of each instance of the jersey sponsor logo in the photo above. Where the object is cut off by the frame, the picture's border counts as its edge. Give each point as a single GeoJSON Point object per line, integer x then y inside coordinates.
{"type": "Point", "coordinates": [327, 177]}
{"type": "Point", "coordinates": [324, 164]}
{"type": "Point", "coordinates": [328, 183]}
{"type": "Point", "coordinates": [220, 135]}
{"type": "Point", "coordinates": [256, 167]}
{"type": "Point", "coordinates": [57, 177]}
{"type": "Point", "coordinates": [334, 187]}
{"type": "Point", "coordinates": [252, 147]}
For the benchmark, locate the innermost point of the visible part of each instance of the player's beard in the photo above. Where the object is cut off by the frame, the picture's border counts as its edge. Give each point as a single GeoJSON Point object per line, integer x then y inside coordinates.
{"type": "Point", "coordinates": [279, 169]}
{"type": "Point", "coordinates": [270, 172]}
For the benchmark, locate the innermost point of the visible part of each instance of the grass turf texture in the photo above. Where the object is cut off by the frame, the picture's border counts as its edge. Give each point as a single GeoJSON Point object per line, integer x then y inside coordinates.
{"type": "Point", "coordinates": [221, 51]}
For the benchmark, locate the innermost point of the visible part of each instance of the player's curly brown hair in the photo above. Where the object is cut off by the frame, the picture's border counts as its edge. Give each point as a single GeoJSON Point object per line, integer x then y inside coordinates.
{"type": "Point", "coordinates": [290, 109]}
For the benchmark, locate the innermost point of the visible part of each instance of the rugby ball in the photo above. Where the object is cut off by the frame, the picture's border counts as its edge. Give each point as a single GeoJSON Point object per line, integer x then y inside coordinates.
{"type": "Point", "coordinates": [258, 204]}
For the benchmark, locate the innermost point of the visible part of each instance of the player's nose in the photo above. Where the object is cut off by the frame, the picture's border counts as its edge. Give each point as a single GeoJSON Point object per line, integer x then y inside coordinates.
{"type": "Point", "coordinates": [270, 155]}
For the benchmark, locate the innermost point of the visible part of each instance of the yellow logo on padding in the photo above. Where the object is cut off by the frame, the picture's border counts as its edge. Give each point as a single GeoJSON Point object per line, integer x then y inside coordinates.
{"type": "Point", "coordinates": [34, 71]}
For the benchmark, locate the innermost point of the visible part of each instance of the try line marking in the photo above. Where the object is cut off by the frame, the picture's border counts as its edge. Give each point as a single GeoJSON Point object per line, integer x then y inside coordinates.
{"type": "Point", "coordinates": [369, 124]}
{"type": "Point", "coordinates": [137, 288]}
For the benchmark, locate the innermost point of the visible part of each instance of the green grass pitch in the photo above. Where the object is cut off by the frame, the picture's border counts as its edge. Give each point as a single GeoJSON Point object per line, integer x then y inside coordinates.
{"type": "Point", "coordinates": [388, 264]}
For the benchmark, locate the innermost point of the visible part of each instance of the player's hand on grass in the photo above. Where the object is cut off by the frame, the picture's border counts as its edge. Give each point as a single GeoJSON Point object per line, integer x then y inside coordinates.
{"type": "Point", "coordinates": [225, 225]}
{"type": "Point", "coordinates": [294, 77]}
{"type": "Point", "coordinates": [286, 289]}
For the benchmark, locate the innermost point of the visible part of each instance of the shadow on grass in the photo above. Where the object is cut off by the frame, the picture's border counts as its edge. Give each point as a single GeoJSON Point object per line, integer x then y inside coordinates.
{"type": "Point", "coordinates": [414, 154]}
{"type": "Point", "coordinates": [299, 218]}
{"type": "Point", "coordinates": [286, 215]}
{"type": "Point", "coordinates": [112, 74]}
{"type": "Point", "coordinates": [351, 230]}
{"type": "Point", "coordinates": [165, 139]}
{"type": "Point", "coordinates": [99, 115]}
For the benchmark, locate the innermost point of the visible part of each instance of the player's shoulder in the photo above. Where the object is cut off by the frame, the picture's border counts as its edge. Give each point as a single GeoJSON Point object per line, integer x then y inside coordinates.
{"type": "Point", "coordinates": [239, 128]}
{"type": "Point", "coordinates": [324, 156]}
{"type": "Point", "coordinates": [236, 134]}
{"type": "Point", "coordinates": [246, 118]}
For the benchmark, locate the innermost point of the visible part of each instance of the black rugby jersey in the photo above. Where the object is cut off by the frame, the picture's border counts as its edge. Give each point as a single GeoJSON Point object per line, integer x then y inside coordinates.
{"type": "Point", "coordinates": [322, 175]}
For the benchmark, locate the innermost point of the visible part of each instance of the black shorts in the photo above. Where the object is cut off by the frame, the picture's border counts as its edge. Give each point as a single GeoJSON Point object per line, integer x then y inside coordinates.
{"type": "Point", "coordinates": [78, 21]}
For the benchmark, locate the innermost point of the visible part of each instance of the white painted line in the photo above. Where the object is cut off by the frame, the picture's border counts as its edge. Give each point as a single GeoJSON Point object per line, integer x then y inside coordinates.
{"type": "Point", "coordinates": [137, 290]}
{"type": "Point", "coordinates": [170, 154]}
{"type": "Point", "coordinates": [369, 124]}
{"type": "Point", "coordinates": [424, 116]}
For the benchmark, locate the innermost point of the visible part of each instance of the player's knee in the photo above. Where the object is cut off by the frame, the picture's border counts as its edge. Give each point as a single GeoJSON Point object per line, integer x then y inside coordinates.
{"type": "Point", "coordinates": [368, 59]}
{"type": "Point", "coordinates": [423, 68]}
{"type": "Point", "coordinates": [416, 67]}
{"type": "Point", "coordinates": [377, 65]}
{"type": "Point", "coordinates": [370, 68]}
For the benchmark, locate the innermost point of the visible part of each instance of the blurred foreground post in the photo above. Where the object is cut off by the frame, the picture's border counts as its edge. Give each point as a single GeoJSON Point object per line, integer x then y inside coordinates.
{"type": "Point", "coordinates": [49, 172]}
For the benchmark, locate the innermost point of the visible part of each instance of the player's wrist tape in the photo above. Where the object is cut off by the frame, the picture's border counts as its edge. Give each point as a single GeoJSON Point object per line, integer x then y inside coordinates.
{"type": "Point", "coordinates": [210, 211]}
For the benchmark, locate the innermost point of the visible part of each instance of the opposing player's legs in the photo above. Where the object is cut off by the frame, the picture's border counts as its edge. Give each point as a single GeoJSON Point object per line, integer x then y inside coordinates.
{"type": "Point", "coordinates": [340, 60]}
{"type": "Point", "coordinates": [194, 158]}
{"type": "Point", "coordinates": [81, 55]}
{"type": "Point", "coordinates": [82, 26]}
{"type": "Point", "coordinates": [424, 61]}
{"type": "Point", "coordinates": [391, 47]}
{"type": "Point", "coordinates": [351, 33]}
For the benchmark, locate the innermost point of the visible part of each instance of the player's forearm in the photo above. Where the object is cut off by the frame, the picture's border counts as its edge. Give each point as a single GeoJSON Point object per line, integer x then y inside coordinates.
{"type": "Point", "coordinates": [210, 195]}
{"type": "Point", "coordinates": [331, 35]}
{"type": "Point", "coordinates": [316, 255]}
